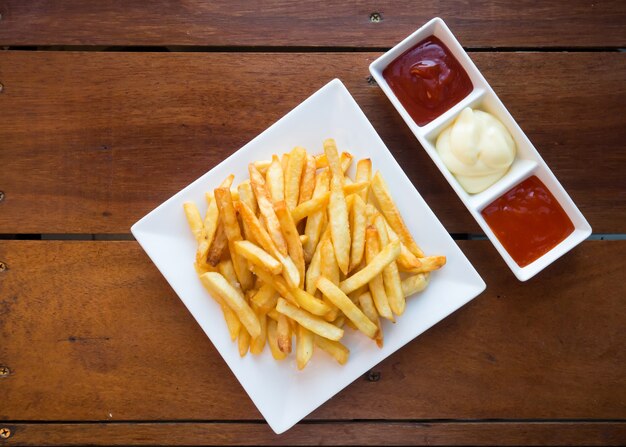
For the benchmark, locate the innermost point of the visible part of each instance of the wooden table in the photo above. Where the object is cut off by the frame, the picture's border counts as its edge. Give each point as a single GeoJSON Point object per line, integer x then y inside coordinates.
{"type": "Point", "coordinates": [108, 108]}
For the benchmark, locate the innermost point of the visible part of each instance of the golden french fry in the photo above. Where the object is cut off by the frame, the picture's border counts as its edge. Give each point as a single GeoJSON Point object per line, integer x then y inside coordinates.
{"type": "Point", "coordinates": [257, 256]}
{"type": "Point", "coordinates": [219, 244]}
{"type": "Point", "coordinates": [367, 305]}
{"type": "Point", "coordinates": [363, 174]}
{"type": "Point", "coordinates": [267, 209]}
{"type": "Point", "coordinates": [303, 239]}
{"type": "Point", "coordinates": [244, 342]}
{"type": "Point", "coordinates": [227, 270]}
{"type": "Point", "coordinates": [321, 161]}
{"type": "Point", "coordinates": [338, 351]}
{"type": "Point", "coordinates": [391, 276]}
{"type": "Point", "coordinates": [258, 343]}
{"type": "Point", "coordinates": [233, 234]}
{"type": "Point", "coordinates": [338, 209]}
{"type": "Point", "coordinates": [309, 321]}
{"type": "Point", "coordinates": [195, 220]}
{"type": "Point", "coordinates": [310, 303]}
{"type": "Point", "coordinates": [340, 320]}
{"type": "Point", "coordinates": [203, 268]}
{"type": "Point", "coordinates": [277, 282]}
{"type": "Point", "coordinates": [329, 267]}
{"type": "Point", "coordinates": [272, 340]}
{"type": "Point", "coordinates": [290, 233]}
{"type": "Point", "coordinates": [264, 299]}
{"type": "Point", "coordinates": [314, 222]}
{"type": "Point", "coordinates": [217, 285]}
{"type": "Point", "coordinates": [345, 304]}
{"type": "Point", "coordinates": [246, 195]}
{"type": "Point", "coordinates": [275, 180]}
{"type": "Point", "coordinates": [232, 321]}
{"type": "Point", "coordinates": [293, 175]}
{"type": "Point", "coordinates": [262, 165]}
{"type": "Point", "coordinates": [415, 283]}
{"type": "Point", "coordinates": [273, 314]}
{"type": "Point", "coordinates": [309, 207]}
{"type": "Point", "coordinates": [376, 285]}
{"type": "Point", "coordinates": [358, 222]}
{"type": "Point", "coordinates": [304, 346]}
{"type": "Point", "coordinates": [391, 213]}
{"type": "Point", "coordinates": [428, 264]}
{"type": "Point", "coordinates": [284, 161]}
{"type": "Point", "coordinates": [313, 272]}
{"type": "Point", "coordinates": [346, 161]}
{"type": "Point", "coordinates": [353, 188]}
{"type": "Point", "coordinates": [307, 182]}
{"type": "Point", "coordinates": [283, 334]}
{"type": "Point", "coordinates": [382, 259]}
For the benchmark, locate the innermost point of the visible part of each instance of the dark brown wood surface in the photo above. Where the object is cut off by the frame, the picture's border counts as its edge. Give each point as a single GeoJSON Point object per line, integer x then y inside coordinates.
{"type": "Point", "coordinates": [92, 332]}
{"type": "Point", "coordinates": [94, 141]}
{"type": "Point", "coordinates": [326, 23]}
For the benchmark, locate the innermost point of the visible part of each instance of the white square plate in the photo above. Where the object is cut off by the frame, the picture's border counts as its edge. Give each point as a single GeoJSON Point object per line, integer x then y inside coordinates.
{"type": "Point", "coordinates": [283, 394]}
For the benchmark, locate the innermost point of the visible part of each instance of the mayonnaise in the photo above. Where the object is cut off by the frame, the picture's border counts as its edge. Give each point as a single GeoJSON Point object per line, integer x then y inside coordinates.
{"type": "Point", "coordinates": [477, 149]}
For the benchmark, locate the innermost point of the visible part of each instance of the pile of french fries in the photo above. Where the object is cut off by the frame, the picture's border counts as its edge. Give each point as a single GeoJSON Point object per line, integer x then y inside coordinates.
{"type": "Point", "coordinates": [301, 248]}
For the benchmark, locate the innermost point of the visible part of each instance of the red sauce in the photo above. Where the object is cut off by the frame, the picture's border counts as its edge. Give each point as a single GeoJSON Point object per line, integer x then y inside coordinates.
{"type": "Point", "coordinates": [528, 221]}
{"type": "Point", "coordinates": [427, 80]}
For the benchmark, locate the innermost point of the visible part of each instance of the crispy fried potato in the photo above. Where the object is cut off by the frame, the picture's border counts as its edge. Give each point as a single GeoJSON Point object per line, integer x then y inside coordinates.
{"type": "Point", "coordinates": [283, 334]}
{"type": "Point", "coordinates": [338, 351]}
{"type": "Point", "coordinates": [345, 304]}
{"type": "Point", "coordinates": [267, 209]}
{"type": "Point", "coordinates": [258, 343]}
{"type": "Point", "coordinates": [272, 340]}
{"type": "Point", "coordinates": [309, 321]}
{"type": "Point", "coordinates": [338, 209]}
{"type": "Point", "coordinates": [391, 213]}
{"type": "Point", "coordinates": [314, 222]}
{"type": "Point", "coordinates": [257, 256]}
{"type": "Point", "coordinates": [275, 180]}
{"type": "Point", "coordinates": [358, 222]}
{"type": "Point", "coordinates": [329, 267]}
{"type": "Point", "coordinates": [227, 270]}
{"type": "Point", "coordinates": [264, 299]}
{"type": "Point", "coordinates": [391, 276]}
{"type": "Point", "coordinates": [303, 239]}
{"type": "Point", "coordinates": [246, 195]}
{"type": "Point", "coordinates": [244, 342]}
{"type": "Point", "coordinates": [428, 264]}
{"type": "Point", "coordinates": [195, 220]}
{"type": "Point", "coordinates": [314, 271]}
{"type": "Point", "coordinates": [382, 259]}
{"type": "Point", "coordinates": [290, 233]}
{"type": "Point", "coordinates": [309, 207]}
{"type": "Point", "coordinates": [367, 306]}
{"type": "Point", "coordinates": [364, 174]}
{"type": "Point", "coordinates": [233, 234]}
{"type": "Point", "coordinates": [307, 181]}
{"type": "Point", "coordinates": [415, 283]}
{"type": "Point", "coordinates": [321, 161]}
{"type": "Point", "coordinates": [353, 188]}
{"type": "Point", "coordinates": [217, 247]}
{"type": "Point", "coordinates": [376, 285]}
{"type": "Point", "coordinates": [293, 175]}
{"type": "Point", "coordinates": [217, 285]}
{"type": "Point", "coordinates": [278, 282]}
{"type": "Point", "coordinates": [304, 346]}
{"type": "Point", "coordinates": [262, 165]}
{"type": "Point", "coordinates": [310, 303]}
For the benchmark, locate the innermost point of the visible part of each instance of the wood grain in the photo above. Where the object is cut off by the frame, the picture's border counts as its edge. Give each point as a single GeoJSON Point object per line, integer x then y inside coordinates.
{"type": "Point", "coordinates": [326, 23]}
{"type": "Point", "coordinates": [92, 332]}
{"type": "Point", "coordinates": [327, 433]}
{"type": "Point", "coordinates": [94, 141]}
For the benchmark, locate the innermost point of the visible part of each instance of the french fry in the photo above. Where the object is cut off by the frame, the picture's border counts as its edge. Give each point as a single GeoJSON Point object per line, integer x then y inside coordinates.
{"type": "Point", "coordinates": [272, 340]}
{"type": "Point", "coordinates": [346, 161]}
{"type": "Point", "coordinates": [307, 181]}
{"type": "Point", "coordinates": [309, 321]}
{"type": "Point", "coordinates": [304, 346]}
{"type": "Point", "coordinates": [244, 342]}
{"type": "Point", "coordinates": [338, 351]}
{"type": "Point", "coordinates": [277, 282]}
{"type": "Point", "coordinates": [246, 195]}
{"type": "Point", "coordinates": [232, 321]}
{"type": "Point", "coordinates": [310, 303]}
{"type": "Point", "coordinates": [415, 283]}
{"type": "Point", "coordinates": [257, 256]}
{"type": "Point", "coordinates": [303, 239]}
{"type": "Point", "coordinates": [284, 161]}
{"type": "Point", "coordinates": [262, 165]}
{"type": "Point", "coordinates": [376, 285]}
{"type": "Point", "coordinates": [203, 268]}
{"type": "Point", "coordinates": [363, 174]}
{"type": "Point", "coordinates": [367, 306]}
{"type": "Point", "coordinates": [283, 334]}
{"type": "Point", "coordinates": [216, 284]}
{"type": "Point", "coordinates": [313, 272]}
{"type": "Point", "coordinates": [290, 233]}
{"type": "Point", "coordinates": [428, 264]}
{"type": "Point", "coordinates": [310, 206]}
{"type": "Point", "coordinates": [227, 270]}
{"type": "Point", "coordinates": [391, 213]}
{"type": "Point", "coordinates": [293, 175]}
{"type": "Point", "coordinates": [275, 180]}
{"type": "Point", "coordinates": [267, 209]}
{"type": "Point", "coordinates": [233, 234]}
{"type": "Point", "coordinates": [345, 304]}
{"type": "Point", "coordinates": [314, 222]}
{"type": "Point", "coordinates": [258, 343]}
{"type": "Point", "coordinates": [391, 276]}
{"type": "Point", "coordinates": [321, 161]}
{"type": "Point", "coordinates": [386, 256]}
{"type": "Point", "coordinates": [264, 299]}
{"type": "Point", "coordinates": [329, 267]}
{"type": "Point", "coordinates": [358, 222]}
{"type": "Point", "coordinates": [352, 188]}
{"type": "Point", "coordinates": [219, 244]}
{"type": "Point", "coordinates": [195, 220]}
{"type": "Point", "coordinates": [337, 208]}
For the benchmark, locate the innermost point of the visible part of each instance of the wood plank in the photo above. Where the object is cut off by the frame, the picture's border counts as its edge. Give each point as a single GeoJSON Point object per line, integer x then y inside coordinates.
{"type": "Point", "coordinates": [92, 332]}
{"type": "Point", "coordinates": [524, 23]}
{"type": "Point", "coordinates": [325, 433]}
{"type": "Point", "coordinates": [94, 141]}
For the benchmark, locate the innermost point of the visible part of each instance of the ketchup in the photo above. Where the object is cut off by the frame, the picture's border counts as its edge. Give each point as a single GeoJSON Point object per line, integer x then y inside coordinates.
{"type": "Point", "coordinates": [528, 221]}
{"type": "Point", "coordinates": [427, 80]}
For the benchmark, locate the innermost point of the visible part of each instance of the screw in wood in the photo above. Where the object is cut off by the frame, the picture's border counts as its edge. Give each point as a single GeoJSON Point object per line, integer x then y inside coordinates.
{"type": "Point", "coordinates": [376, 17]}
{"type": "Point", "coordinates": [1, 192]}
{"type": "Point", "coordinates": [373, 376]}
{"type": "Point", "coordinates": [5, 433]}
{"type": "Point", "coordinates": [1, 87]}
{"type": "Point", "coordinates": [3, 266]}
{"type": "Point", "coordinates": [4, 371]}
